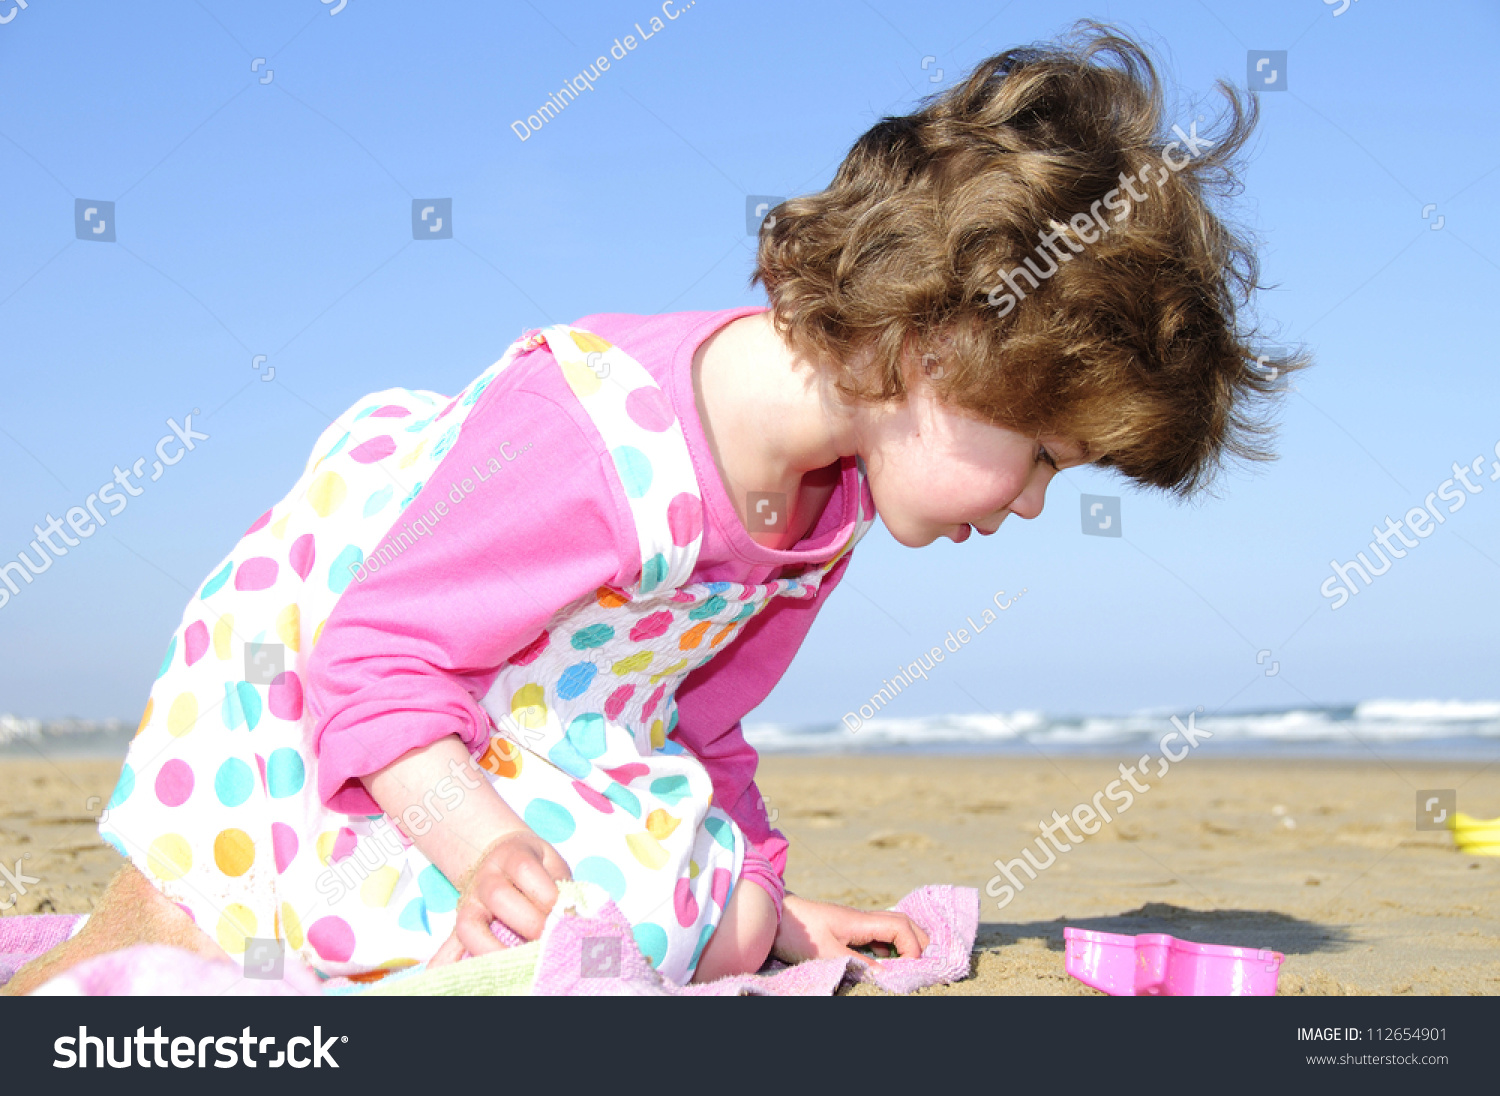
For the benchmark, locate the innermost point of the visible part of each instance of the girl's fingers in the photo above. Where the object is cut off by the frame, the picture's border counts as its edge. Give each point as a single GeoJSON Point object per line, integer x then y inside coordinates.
{"type": "Point", "coordinates": [535, 882]}
{"type": "Point", "coordinates": [892, 928]}
{"type": "Point", "coordinates": [520, 912]}
{"type": "Point", "coordinates": [909, 940]}
{"type": "Point", "coordinates": [874, 964]}
{"type": "Point", "coordinates": [451, 951]}
{"type": "Point", "coordinates": [557, 867]}
{"type": "Point", "coordinates": [473, 929]}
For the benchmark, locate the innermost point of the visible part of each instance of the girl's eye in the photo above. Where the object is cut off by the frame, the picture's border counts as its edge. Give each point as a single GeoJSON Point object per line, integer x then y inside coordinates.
{"type": "Point", "coordinates": [1046, 457]}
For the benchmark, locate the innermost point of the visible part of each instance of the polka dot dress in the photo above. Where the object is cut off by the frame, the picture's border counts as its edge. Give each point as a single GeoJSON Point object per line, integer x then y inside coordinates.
{"type": "Point", "coordinates": [217, 801]}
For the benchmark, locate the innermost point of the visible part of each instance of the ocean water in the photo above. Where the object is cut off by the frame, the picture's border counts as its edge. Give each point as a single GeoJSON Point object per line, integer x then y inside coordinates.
{"type": "Point", "coordinates": [1410, 729]}
{"type": "Point", "coordinates": [1447, 730]}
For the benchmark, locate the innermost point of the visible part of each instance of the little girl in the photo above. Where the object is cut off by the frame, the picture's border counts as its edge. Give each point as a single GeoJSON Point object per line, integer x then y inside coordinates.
{"type": "Point", "coordinates": [490, 642]}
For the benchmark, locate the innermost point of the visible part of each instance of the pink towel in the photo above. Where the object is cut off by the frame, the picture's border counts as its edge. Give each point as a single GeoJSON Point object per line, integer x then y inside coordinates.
{"type": "Point", "coordinates": [25, 936]}
{"type": "Point", "coordinates": [573, 946]}
{"type": "Point", "coordinates": [950, 916]}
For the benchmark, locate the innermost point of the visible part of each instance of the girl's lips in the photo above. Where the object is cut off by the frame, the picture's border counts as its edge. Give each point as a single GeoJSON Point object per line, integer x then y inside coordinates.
{"type": "Point", "coordinates": [963, 536]}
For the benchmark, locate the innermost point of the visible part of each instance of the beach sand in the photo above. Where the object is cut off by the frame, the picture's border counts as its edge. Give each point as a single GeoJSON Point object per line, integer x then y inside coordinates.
{"type": "Point", "coordinates": [1320, 860]}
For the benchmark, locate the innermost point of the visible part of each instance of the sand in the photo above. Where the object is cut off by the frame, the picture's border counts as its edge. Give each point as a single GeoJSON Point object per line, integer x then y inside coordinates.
{"type": "Point", "coordinates": [1320, 860]}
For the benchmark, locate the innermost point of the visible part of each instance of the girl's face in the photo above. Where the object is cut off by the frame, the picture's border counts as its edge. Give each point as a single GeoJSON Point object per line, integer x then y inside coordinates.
{"type": "Point", "coordinates": [937, 472]}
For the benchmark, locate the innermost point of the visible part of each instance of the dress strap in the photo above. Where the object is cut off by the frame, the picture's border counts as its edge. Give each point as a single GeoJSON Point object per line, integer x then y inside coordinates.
{"type": "Point", "coordinates": [645, 439]}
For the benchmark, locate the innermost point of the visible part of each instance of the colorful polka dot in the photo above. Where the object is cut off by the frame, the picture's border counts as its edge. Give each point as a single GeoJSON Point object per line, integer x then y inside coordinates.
{"type": "Point", "coordinates": [445, 442]}
{"type": "Point", "coordinates": [653, 573]}
{"type": "Point", "coordinates": [632, 664]}
{"type": "Point", "coordinates": [223, 636]}
{"type": "Point", "coordinates": [170, 857]}
{"type": "Point", "coordinates": [652, 701]}
{"type": "Point", "coordinates": [575, 680]}
{"type": "Point", "coordinates": [649, 627]}
{"type": "Point", "coordinates": [646, 849]}
{"type": "Point", "coordinates": [671, 790]}
{"type": "Point", "coordinates": [234, 852]}
{"type": "Point", "coordinates": [174, 783]}
{"type": "Point", "coordinates": [166, 663]}
{"type": "Point", "coordinates": [593, 799]}
{"type": "Point", "coordinates": [344, 568]}
{"type": "Point", "coordinates": [285, 773]}
{"type": "Point", "coordinates": [376, 449]}
{"type": "Point", "coordinates": [552, 821]}
{"type": "Point", "coordinates": [712, 607]}
{"type": "Point", "coordinates": [183, 715]}
{"type": "Point", "coordinates": [378, 499]}
{"type": "Point", "coordinates": [290, 927]}
{"type": "Point", "coordinates": [595, 635]}
{"type": "Point", "coordinates": [260, 523]}
{"type": "Point", "coordinates": [289, 626]}
{"type": "Point", "coordinates": [720, 831]}
{"type": "Point", "coordinates": [502, 758]}
{"type": "Point", "coordinates": [598, 870]}
{"type": "Point", "coordinates": [650, 409]}
{"type": "Point", "coordinates": [722, 884]}
{"type": "Point", "coordinates": [213, 585]}
{"type": "Point", "coordinates": [628, 772]}
{"type": "Point", "coordinates": [634, 469]}
{"type": "Point", "coordinates": [586, 733]}
{"type": "Point", "coordinates": [531, 652]}
{"type": "Point", "coordinates": [326, 493]}
{"type": "Point", "coordinates": [617, 700]}
{"type": "Point", "coordinates": [256, 574]}
{"type": "Point", "coordinates": [236, 924]}
{"type": "Point", "coordinates": [413, 917]}
{"type": "Point", "coordinates": [652, 940]}
{"type": "Point", "coordinates": [194, 642]}
{"type": "Point", "coordinates": [684, 903]}
{"type": "Point", "coordinates": [241, 706]}
{"type": "Point", "coordinates": [528, 706]}
{"type": "Point", "coordinates": [704, 935]}
{"type": "Point", "coordinates": [661, 825]}
{"type": "Point", "coordinates": [301, 555]}
{"type": "Point", "coordinates": [378, 886]}
{"type": "Point", "coordinates": [285, 696]}
{"type": "Point", "coordinates": [610, 598]}
{"type": "Point", "coordinates": [440, 895]}
{"type": "Point", "coordinates": [123, 787]}
{"type": "Point", "coordinates": [234, 782]}
{"type": "Point", "coordinates": [283, 845]}
{"type": "Point", "coordinates": [332, 938]}
{"type": "Point", "coordinates": [685, 519]}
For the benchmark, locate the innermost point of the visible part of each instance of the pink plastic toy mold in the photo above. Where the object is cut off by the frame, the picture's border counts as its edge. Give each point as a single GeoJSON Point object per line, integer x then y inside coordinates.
{"type": "Point", "coordinates": [1157, 965]}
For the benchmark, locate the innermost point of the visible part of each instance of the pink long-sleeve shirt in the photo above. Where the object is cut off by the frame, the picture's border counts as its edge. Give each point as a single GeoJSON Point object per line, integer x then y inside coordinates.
{"type": "Point", "coordinates": [408, 652]}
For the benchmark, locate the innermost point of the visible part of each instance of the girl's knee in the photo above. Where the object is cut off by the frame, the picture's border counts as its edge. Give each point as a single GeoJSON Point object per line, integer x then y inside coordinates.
{"type": "Point", "coordinates": [742, 942]}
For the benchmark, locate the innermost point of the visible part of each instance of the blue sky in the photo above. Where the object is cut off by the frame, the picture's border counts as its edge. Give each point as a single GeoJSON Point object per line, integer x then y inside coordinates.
{"type": "Point", "coordinates": [265, 210]}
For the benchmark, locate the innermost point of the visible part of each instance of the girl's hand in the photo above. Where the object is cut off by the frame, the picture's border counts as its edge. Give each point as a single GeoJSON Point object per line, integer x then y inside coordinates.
{"type": "Point", "coordinates": [822, 930]}
{"type": "Point", "coordinates": [513, 882]}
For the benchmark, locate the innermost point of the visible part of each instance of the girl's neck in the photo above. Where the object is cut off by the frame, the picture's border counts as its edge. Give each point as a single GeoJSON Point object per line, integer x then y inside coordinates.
{"type": "Point", "coordinates": [771, 422]}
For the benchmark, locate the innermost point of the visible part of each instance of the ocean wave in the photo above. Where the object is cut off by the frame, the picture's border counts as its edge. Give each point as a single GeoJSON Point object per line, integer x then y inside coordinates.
{"type": "Point", "coordinates": [1355, 727]}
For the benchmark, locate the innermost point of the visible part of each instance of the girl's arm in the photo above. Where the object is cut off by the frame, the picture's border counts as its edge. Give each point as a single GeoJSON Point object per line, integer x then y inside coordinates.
{"type": "Point", "coordinates": [714, 699]}
{"type": "Point", "coordinates": [529, 523]}
{"type": "Point", "coordinates": [503, 870]}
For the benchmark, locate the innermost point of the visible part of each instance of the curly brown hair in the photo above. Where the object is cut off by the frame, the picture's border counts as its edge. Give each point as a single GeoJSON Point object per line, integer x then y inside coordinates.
{"type": "Point", "coordinates": [938, 233]}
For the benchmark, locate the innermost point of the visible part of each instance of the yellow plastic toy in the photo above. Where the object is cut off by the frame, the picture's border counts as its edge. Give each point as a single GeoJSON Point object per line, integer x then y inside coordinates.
{"type": "Point", "coordinates": [1476, 836]}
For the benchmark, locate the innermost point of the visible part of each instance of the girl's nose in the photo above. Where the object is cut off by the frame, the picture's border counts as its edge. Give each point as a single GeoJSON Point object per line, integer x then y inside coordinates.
{"type": "Point", "coordinates": [1028, 504]}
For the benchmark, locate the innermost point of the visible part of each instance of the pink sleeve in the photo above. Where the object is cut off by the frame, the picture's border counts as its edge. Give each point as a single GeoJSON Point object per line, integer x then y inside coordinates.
{"type": "Point", "coordinates": [408, 652]}
{"type": "Point", "coordinates": [714, 699]}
